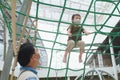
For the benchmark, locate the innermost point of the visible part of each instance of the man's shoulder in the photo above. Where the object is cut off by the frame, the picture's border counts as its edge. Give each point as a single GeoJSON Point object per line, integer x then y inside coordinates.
{"type": "Point", "coordinates": [28, 75]}
{"type": "Point", "coordinates": [28, 72]}
{"type": "Point", "coordinates": [31, 78]}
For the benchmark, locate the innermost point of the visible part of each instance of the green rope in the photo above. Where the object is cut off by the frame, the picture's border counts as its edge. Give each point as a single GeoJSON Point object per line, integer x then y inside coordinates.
{"type": "Point", "coordinates": [81, 26]}
{"type": "Point", "coordinates": [5, 18]}
{"type": "Point", "coordinates": [89, 51]}
{"type": "Point", "coordinates": [56, 36]}
{"type": "Point", "coordinates": [98, 31]}
{"type": "Point", "coordinates": [117, 15]}
{"type": "Point", "coordinates": [106, 19]}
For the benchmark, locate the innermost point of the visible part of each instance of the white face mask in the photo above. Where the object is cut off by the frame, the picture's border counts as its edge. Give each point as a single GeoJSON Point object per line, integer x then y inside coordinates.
{"type": "Point", "coordinates": [77, 21]}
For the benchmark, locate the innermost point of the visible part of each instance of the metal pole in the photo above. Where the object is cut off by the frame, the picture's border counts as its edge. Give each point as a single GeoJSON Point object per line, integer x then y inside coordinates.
{"type": "Point", "coordinates": [7, 62]}
{"type": "Point", "coordinates": [20, 18]}
{"type": "Point", "coordinates": [9, 56]}
{"type": "Point", "coordinates": [100, 60]}
{"type": "Point", "coordinates": [4, 42]}
{"type": "Point", "coordinates": [68, 78]}
{"type": "Point", "coordinates": [113, 59]}
{"type": "Point", "coordinates": [94, 65]}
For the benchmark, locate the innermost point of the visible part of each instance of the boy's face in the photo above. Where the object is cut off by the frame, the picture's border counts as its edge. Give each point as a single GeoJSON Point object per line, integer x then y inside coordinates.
{"type": "Point", "coordinates": [76, 20]}
{"type": "Point", "coordinates": [77, 17]}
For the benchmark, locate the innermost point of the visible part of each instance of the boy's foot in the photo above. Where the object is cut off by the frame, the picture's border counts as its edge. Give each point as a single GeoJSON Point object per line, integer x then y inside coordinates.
{"type": "Point", "coordinates": [80, 60]}
{"type": "Point", "coordinates": [64, 59]}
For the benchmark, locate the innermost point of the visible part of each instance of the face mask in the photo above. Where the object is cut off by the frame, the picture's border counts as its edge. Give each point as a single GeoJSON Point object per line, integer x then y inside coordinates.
{"type": "Point", "coordinates": [77, 21]}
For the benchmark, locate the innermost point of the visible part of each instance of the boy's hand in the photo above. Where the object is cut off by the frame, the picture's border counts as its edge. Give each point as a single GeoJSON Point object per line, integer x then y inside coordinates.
{"type": "Point", "coordinates": [87, 33]}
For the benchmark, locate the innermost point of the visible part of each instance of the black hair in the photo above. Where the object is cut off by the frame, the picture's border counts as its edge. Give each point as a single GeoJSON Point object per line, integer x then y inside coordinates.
{"type": "Point", "coordinates": [25, 53]}
{"type": "Point", "coordinates": [74, 16]}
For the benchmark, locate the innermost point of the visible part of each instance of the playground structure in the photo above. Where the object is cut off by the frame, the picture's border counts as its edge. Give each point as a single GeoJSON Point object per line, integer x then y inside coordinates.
{"type": "Point", "coordinates": [29, 24]}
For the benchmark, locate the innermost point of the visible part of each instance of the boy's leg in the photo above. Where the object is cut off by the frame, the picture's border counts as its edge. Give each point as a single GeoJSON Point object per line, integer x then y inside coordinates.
{"type": "Point", "coordinates": [70, 45]}
{"type": "Point", "coordinates": [81, 45]}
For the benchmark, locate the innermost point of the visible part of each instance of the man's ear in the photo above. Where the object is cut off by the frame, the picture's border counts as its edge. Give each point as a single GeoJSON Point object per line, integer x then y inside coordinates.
{"type": "Point", "coordinates": [33, 56]}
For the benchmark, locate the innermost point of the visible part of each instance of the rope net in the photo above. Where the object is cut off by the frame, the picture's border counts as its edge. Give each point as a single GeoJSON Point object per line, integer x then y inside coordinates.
{"type": "Point", "coordinates": [54, 39]}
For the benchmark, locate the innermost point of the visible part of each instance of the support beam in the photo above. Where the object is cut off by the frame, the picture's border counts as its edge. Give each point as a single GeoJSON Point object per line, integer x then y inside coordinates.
{"type": "Point", "coordinates": [113, 59]}
{"type": "Point", "coordinates": [9, 56]}
{"type": "Point", "coordinates": [7, 63]}
{"type": "Point", "coordinates": [20, 18]}
{"type": "Point", "coordinates": [100, 60]}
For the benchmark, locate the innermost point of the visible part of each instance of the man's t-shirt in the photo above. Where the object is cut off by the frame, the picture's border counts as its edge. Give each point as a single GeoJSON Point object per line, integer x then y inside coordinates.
{"type": "Point", "coordinates": [76, 32]}
{"type": "Point", "coordinates": [28, 73]}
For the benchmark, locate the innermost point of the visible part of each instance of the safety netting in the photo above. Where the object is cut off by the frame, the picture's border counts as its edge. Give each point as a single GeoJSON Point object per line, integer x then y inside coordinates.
{"type": "Point", "coordinates": [53, 39]}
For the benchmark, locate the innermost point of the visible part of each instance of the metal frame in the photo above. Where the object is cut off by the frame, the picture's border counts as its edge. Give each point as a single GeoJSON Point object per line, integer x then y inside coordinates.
{"type": "Point", "coordinates": [98, 72]}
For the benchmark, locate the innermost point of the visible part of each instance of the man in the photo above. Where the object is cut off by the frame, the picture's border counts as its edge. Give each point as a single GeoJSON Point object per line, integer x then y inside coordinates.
{"type": "Point", "coordinates": [74, 32]}
{"type": "Point", "coordinates": [28, 58]}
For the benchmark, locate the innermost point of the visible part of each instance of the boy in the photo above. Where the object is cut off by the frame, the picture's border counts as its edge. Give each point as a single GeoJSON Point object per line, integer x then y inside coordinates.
{"type": "Point", "coordinates": [74, 32]}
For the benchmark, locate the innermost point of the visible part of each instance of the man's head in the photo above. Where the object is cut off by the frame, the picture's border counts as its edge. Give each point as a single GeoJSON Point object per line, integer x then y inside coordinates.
{"type": "Point", "coordinates": [76, 18]}
{"type": "Point", "coordinates": [28, 55]}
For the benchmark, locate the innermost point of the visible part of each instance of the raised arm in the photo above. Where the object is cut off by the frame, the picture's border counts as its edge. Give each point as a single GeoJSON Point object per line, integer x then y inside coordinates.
{"type": "Point", "coordinates": [86, 32]}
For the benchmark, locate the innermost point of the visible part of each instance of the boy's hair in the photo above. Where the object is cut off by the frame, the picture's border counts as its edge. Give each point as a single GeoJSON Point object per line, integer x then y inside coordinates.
{"type": "Point", "coordinates": [25, 53]}
{"type": "Point", "coordinates": [75, 15]}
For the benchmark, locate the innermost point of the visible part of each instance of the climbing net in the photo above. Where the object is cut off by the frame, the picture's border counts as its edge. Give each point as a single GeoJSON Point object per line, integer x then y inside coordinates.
{"type": "Point", "coordinates": [29, 20]}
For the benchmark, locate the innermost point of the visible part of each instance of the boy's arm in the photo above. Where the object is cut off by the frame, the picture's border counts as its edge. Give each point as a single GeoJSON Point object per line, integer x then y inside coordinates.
{"type": "Point", "coordinates": [69, 32]}
{"type": "Point", "coordinates": [86, 32]}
